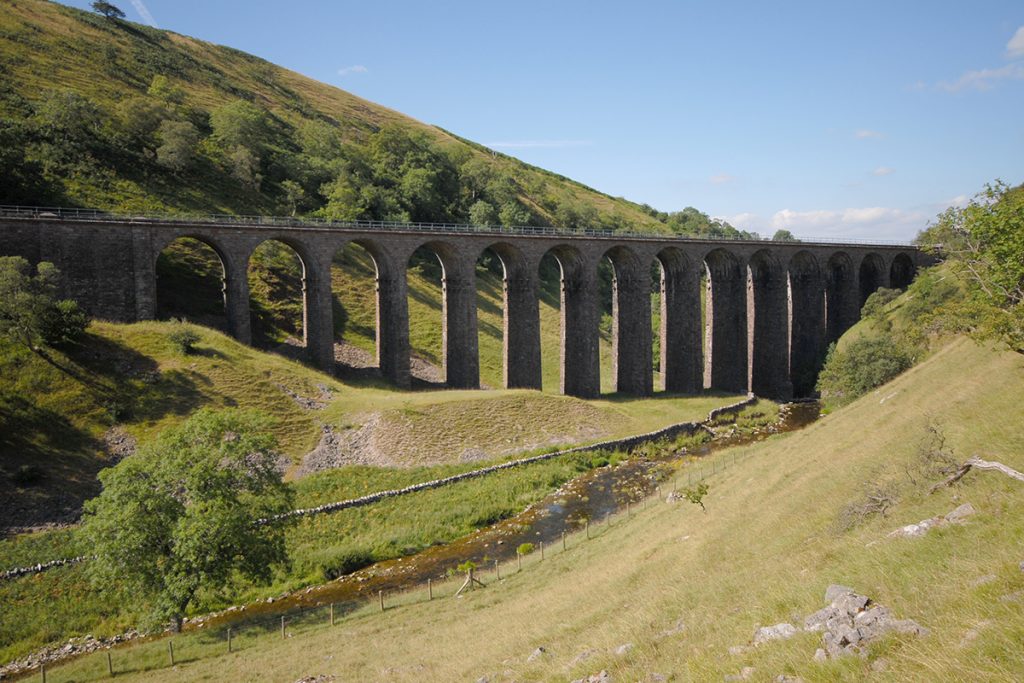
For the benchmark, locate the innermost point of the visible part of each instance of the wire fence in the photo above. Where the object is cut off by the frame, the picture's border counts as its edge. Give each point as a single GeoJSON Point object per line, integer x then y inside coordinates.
{"type": "Point", "coordinates": [311, 222]}
{"type": "Point", "coordinates": [261, 632]}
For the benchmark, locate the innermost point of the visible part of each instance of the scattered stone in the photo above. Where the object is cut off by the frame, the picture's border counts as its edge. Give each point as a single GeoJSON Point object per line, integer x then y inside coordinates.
{"type": "Point", "coordinates": [483, 679]}
{"type": "Point", "coordinates": [624, 649]}
{"type": "Point", "coordinates": [737, 650]}
{"type": "Point", "coordinates": [836, 590]}
{"type": "Point", "coordinates": [820, 655]}
{"type": "Point", "coordinates": [956, 516]}
{"type": "Point", "coordinates": [744, 674]}
{"type": "Point", "coordinates": [656, 678]}
{"type": "Point", "coordinates": [118, 443]}
{"type": "Point", "coordinates": [783, 678]}
{"type": "Point", "coordinates": [600, 677]}
{"type": "Point", "coordinates": [536, 654]}
{"type": "Point", "coordinates": [1016, 596]}
{"type": "Point", "coordinates": [1021, 565]}
{"type": "Point", "coordinates": [982, 580]}
{"type": "Point", "coordinates": [582, 657]}
{"type": "Point", "coordinates": [776, 632]}
{"type": "Point", "coordinates": [322, 678]}
{"type": "Point", "coordinates": [960, 513]}
{"type": "Point", "coordinates": [678, 628]}
{"type": "Point", "coordinates": [879, 665]}
{"type": "Point", "coordinates": [674, 497]}
{"type": "Point", "coordinates": [852, 621]}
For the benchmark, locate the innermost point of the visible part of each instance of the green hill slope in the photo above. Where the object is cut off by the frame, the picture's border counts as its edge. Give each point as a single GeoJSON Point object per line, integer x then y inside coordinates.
{"type": "Point", "coordinates": [770, 543]}
{"type": "Point", "coordinates": [120, 116]}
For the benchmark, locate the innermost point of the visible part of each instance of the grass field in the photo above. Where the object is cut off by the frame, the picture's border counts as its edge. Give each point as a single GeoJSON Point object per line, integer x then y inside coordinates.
{"type": "Point", "coordinates": [763, 553]}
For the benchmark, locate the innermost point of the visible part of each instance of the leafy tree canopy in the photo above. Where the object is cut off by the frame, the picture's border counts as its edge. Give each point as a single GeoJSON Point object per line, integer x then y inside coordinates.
{"type": "Point", "coordinates": [984, 243]}
{"type": "Point", "coordinates": [30, 313]}
{"type": "Point", "coordinates": [180, 516]}
{"type": "Point", "coordinates": [108, 10]}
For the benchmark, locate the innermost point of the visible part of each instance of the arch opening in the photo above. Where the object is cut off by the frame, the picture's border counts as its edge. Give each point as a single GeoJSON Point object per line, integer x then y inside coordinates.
{"type": "Point", "coordinates": [870, 276]}
{"type": "Point", "coordinates": [507, 319]}
{"type": "Point", "coordinates": [191, 283]}
{"type": "Point", "coordinates": [628, 322]}
{"type": "Point", "coordinates": [841, 296]}
{"type": "Point", "coordinates": [725, 326]}
{"type": "Point", "coordinates": [425, 273]}
{"type": "Point", "coordinates": [768, 327]}
{"type": "Point", "coordinates": [677, 322]}
{"type": "Point", "coordinates": [577, 327]}
{"type": "Point", "coordinates": [277, 298]}
{"type": "Point", "coordinates": [901, 272]}
{"type": "Point", "coordinates": [355, 307]}
{"type": "Point", "coordinates": [807, 323]}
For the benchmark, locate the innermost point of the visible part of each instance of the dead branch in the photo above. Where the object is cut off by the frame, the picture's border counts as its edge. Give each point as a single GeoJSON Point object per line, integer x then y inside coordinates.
{"type": "Point", "coordinates": [977, 463]}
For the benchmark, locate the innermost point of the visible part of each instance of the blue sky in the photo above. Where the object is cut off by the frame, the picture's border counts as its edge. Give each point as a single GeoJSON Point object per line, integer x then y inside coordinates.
{"type": "Point", "coordinates": [860, 120]}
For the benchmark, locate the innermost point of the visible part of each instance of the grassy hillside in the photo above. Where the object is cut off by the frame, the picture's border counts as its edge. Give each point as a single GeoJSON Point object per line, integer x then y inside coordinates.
{"type": "Point", "coordinates": [65, 417]}
{"type": "Point", "coordinates": [84, 99]}
{"type": "Point", "coordinates": [764, 552]}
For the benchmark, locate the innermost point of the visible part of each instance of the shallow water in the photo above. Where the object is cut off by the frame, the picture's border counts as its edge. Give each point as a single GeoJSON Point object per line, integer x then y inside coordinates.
{"type": "Point", "coordinates": [592, 497]}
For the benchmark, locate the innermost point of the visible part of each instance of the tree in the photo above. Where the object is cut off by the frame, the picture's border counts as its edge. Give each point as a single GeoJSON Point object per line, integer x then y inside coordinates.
{"type": "Point", "coordinates": [107, 10]}
{"type": "Point", "coordinates": [184, 514]}
{"type": "Point", "coordinates": [784, 236]}
{"type": "Point", "coordinates": [984, 243]}
{"type": "Point", "coordinates": [178, 140]}
{"type": "Point", "coordinates": [240, 124]}
{"type": "Point", "coordinates": [483, 213]}
{"type": "Point", "coordinates": [30, 313]}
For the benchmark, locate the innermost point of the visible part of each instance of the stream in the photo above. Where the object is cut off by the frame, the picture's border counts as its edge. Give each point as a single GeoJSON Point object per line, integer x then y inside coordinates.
{"type": "Point", "coordinates": [590, 497]}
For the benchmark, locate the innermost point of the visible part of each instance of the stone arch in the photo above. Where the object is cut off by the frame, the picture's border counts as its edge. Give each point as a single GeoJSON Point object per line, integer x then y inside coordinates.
{"type": "Point", "coordinates": [725, 361]}
{"type": "Point", "coordinates": [359, 265]}
{"type": "Point", "coordinates": [279, 297]}
{"type": "Point", "coordinates": [521, 358]}
{"type": "Point", "coordinates": [191, 281]}
{"type": "Point", "coordinates": [679, 331]}
{"type": "Point", "coordinates": [631, 322]}
{"type": "Point", "coordinates": [459, 345]}
{"type": "Point", "coordinates": [841, 296]}
{"type": "Point", "coordinates": [768, 326]}
{"type": "Point", "coordinates": [807, 322]}
{"type": "Point", "coordinates": [579, 363]}
{"type": "Point", "coordinates": [871, 275]}
{"type": "Point", "coordinates": [901, 272]}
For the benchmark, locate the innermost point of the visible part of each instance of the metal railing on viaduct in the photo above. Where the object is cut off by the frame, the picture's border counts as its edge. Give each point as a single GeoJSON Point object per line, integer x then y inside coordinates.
{"type": "Point", "coordinates": [770, 308]}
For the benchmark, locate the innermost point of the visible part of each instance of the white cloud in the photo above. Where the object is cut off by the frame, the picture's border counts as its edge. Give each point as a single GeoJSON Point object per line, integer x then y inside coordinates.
{"type": "Point", "coordinates": [743, 221]}
{"type": "Point", "coordinates": [865, 134]}
{"type": "Point", "coordinates": [1015, 48]}
{"type": "Point", "coordinates": [875, 222]}
{"type": "Point", "coordinates": [721, 178]}
{"type": "Point", "coordinates": [984, 79]}
{"type": "Point", "coordinates": [883, 170]}
{"type": "Point", "coordinates": [143, 11]}
{"type": "Point", "coordinates": [524, 144]}
{"type": "Point", "coordinates": [354, 69]}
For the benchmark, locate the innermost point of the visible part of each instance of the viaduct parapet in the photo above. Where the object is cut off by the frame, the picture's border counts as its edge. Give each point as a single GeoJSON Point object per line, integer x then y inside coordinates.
{"type": "Point", "coordinates": [769, 308]}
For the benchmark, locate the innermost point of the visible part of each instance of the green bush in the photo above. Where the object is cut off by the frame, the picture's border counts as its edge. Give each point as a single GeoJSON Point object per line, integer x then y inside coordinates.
{"type": "Point", "coordinates": [63, 323]}
{"type": "Point", "coordinates": [874, 306]}
{"type": "Point", "coordinates": [184, 338]}
{"type": "Point", "coordinates": [860, 367]}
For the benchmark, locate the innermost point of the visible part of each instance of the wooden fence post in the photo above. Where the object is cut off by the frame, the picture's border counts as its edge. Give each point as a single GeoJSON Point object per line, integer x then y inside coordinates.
{"type": "Point", "coordinates": [229, 639]}
{"type": "Point", "coordinates": [282, 627]}
{"type": "Point", "coordinates": [380, 594]}
{"type": "Point", "coordinates": [541, 549]}
{"type": "Point", "coordinates": [430, 590]}
{"type": "Point", "coordinates": [519, 560]}
{"type": "Point", "coordinates": [332, 614]}
{"type": "Point", "coordinates": [170, 650]}
{"type": "Point", "coordinates": [42, 670]}
{"type": "Point", "coordinates": [563, 540]}
{"type": "Point", "coordinates": [110, 664]}
{"type": "Point", "coordinates": [628, 513]}
{"type": "Point", "coordinates": [497, 570]}
{"type": "Point", "coordinates": [588, 529]}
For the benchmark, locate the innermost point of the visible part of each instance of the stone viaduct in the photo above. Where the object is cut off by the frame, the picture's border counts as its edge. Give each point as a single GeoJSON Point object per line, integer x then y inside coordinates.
{"type": "Point", "coordinates": [770, 308]}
